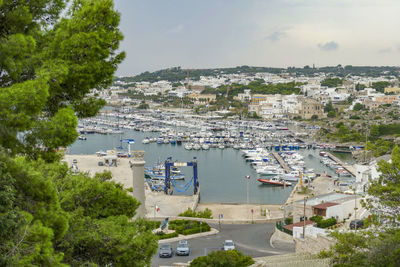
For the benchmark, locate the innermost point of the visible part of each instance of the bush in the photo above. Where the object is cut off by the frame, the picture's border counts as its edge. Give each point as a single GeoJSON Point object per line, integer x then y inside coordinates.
{"type": "Point", "coordinates": [186, 227]}
{"type": "Point", "coordinates": [207, 214]}
{"type": "Point", "coordinates": [331, 114]}
{"type": "Point", "coordinates": [314, 117]}
{"type": "Point", "coordinates": [316, 218]}
{"type": "Point", "coordinates": [288, 220]}
{"type": "Point", "coordinates": [162, 235]}
{"type": "Point", "coordinates": [354, 117]}
{"type": "Point", "coordinates": [231, 258]}
{"type": "Point", "coordinates": [326, 223]}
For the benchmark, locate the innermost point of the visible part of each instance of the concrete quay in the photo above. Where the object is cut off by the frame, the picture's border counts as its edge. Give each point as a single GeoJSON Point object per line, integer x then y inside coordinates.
{"type": "Point", "coordinates": [122, 174]}
{"type": "Point", "coordinates": [159, 205]}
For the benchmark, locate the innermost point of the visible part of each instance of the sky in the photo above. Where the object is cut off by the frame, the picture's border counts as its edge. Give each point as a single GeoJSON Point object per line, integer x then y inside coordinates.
{"type": "Point", "coordinates": [159, 34]}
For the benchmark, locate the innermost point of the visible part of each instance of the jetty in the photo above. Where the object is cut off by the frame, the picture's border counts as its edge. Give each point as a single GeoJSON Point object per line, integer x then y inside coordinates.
{"type": "Point", "coordinates": [347, 167]}
{"type": "Point", "coordinates": [284, 165]}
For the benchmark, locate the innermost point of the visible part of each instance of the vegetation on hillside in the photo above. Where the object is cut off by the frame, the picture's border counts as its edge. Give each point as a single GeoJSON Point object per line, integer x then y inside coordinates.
{"type": "Point", "coordinates": [178, 74]}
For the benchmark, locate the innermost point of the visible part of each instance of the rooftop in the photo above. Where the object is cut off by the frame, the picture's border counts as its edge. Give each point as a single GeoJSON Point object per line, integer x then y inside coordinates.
{"type": "Point", "coordinates": [325, 205]}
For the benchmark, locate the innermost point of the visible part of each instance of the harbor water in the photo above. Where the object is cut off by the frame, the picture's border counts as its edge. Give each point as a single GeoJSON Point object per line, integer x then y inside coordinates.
{"type": "Point", "coordinates": [222, 172]}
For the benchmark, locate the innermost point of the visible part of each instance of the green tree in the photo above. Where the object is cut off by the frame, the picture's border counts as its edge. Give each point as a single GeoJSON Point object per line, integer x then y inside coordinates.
{"type": "Point", "coordinates": [358, 107]}
{"type": "Point", "coordinates": [332, 82]}
{"type": "Point", "coordinates": [230, 258]}
{"type": "Point", "coordinates": [331, 114]}
{"type": "Point", "coordinates": [48, 65]}
{"type": "Point", "coordinates": [51, 56]}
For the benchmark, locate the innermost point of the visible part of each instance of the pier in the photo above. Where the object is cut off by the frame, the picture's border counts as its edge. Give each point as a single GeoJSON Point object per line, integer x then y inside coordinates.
{"type": "Point", "coordinates": [348, 168]}
{"type": "Point", "coordinates": [281, 162]}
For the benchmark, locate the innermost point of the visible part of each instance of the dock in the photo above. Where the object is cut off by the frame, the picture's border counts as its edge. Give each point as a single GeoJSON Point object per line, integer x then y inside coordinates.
{"type": "Point", "coordinates": [348, 168]}
{"type": "Point", "coordinates": [281, 162]}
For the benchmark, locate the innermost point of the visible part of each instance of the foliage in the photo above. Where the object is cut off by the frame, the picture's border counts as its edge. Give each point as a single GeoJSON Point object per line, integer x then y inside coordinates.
{"type": "Point", "coordinates": [314, 117]}
{"type": "Point", "coordinates": [380, 147]}
{"type": "Point", "coordinates": [316, 218]}
{"type": "Point", "coordinates": [326, 223]}
{"type": "Point", "coordinates": [332, 82]}
{"type": "Point", "coordinates": [343, 134]}
{"type": "Point", "coordinates": [375, 248]}
{"type": "Point", "coordinates": [48, 65]}
{"type": "Point", "coordinates": [380, 86]}
{"type": "Point", "coordinates": [230, 258]}
{"type": "Point", "coordinates": [386, 189]}
{"type": "Point", "coordinates": [329, 107]}
{"type": "Point", "coordinates": [358, 107]}
{"type": "Point", "coordinates": [187, 227]}
{"type": "Point", "coordinates": [360, 87]}
{"type": "Point", "coordinates": [288, 220]}
{"type": "Point", "coordinates": [51, 56]}
{"type": "Point", "coordinates": [200, 214]}
{"type": "Point", "coordinates": [162, 235]}
{"type": "Point", "coordinates": [355, 117]}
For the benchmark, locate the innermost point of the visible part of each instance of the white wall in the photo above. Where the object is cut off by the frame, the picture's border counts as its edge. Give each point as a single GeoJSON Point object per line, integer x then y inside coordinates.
{"type": "Point", "coordinates": [310, 231]}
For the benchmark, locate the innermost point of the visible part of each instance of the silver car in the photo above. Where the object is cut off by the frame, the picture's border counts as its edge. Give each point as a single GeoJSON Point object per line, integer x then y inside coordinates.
{"type": "Point", "coordinates": [165, 251]}
{"type": "Point", "coordinates": [228, 245]}
{"type": "Point", "coordinates": [183, 248]}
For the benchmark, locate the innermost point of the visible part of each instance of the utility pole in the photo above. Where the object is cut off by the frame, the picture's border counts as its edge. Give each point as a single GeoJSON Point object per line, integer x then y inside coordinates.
{"type": "Point", "coordinates": [355, 210]}
{"type": "Point", "coordinates": [304, 218]}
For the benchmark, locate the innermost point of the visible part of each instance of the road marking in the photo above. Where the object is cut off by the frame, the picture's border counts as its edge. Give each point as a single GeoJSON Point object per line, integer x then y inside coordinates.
{"type": "Point", "coordinates": [258, 250]}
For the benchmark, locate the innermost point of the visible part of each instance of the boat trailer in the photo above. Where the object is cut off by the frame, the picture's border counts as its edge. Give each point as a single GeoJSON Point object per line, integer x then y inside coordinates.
{"type": "Point", "coordinates": [169, 163]}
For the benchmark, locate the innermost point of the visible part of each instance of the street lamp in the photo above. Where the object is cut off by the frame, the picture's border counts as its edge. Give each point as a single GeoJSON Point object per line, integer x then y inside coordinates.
{"type": "Point", "coordinates": [247, 190]}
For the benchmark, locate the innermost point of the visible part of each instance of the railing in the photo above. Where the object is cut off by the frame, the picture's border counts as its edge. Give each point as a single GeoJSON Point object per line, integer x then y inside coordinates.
{"type": "Point", "coordinates": [280, 227]}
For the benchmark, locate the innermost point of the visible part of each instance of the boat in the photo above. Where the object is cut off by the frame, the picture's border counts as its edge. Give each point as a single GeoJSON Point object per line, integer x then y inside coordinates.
{"type": "Point", "coordinates": [188, 146]}
{"type": "Point", "coordinates": [82, 137]}
{"type": "Point", "coordinates": [274, 181]}
{"type": "Point", "coordinates": [205, 147]}
{"type": "Point", "coordinates": [146, 140]}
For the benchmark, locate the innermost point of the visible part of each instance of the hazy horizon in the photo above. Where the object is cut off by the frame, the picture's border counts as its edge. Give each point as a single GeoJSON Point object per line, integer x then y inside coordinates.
{"type": "Point", "coordinates": [275, 33]}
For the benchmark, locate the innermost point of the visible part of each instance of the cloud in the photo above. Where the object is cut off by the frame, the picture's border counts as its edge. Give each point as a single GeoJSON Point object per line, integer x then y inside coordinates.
{"type": "Point", "coordinates": [385, 50]}
{"type": "Point", "coordinates": [176, 29]}
{"type": "Point", "coordinates": [276, 36]}
{"type": "Point", "coordinates": [329, 46]}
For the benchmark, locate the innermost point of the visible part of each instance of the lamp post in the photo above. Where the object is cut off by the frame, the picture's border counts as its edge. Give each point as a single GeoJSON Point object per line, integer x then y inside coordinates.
{"type": "Point", "coordinates": [247, 189]}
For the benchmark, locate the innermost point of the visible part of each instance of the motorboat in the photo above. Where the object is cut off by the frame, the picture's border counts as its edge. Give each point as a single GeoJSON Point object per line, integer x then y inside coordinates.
{"type": "Point", "coordinates": [274, 181]}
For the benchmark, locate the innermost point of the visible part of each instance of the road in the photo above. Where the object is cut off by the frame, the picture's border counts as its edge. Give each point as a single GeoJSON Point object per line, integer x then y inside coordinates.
{"type": "Point", "coordinates": [251, 239]}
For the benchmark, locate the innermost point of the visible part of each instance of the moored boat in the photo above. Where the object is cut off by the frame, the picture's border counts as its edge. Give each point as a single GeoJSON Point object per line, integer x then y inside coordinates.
{"type": "Point", "coordinates": [274, 181]}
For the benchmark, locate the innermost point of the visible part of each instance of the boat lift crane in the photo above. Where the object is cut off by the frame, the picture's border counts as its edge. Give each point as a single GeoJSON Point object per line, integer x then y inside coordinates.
{"type": "Point", "coordinates": [129, 142]}
{"type": "Point", "coordinates": [169, 163]}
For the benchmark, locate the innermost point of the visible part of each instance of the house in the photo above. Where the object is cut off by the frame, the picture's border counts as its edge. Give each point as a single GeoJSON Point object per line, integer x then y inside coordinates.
{"type": "Point", "coordinates": [201, 99]}
{"type": "Point", "coordinates": [245, 97]}
{"type": "Point", "coordinates": [336, 205]}
{"type": "Point", "coordinates": [310, 107]}
{"type": "Point", "coordinates": [395, 90]}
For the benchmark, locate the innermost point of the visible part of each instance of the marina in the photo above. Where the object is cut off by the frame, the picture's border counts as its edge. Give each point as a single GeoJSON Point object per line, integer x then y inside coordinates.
{"type": "Point", "coordinates": [226, 153]}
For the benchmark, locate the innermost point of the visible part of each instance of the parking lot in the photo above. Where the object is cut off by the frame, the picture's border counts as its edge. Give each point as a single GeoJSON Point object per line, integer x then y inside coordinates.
{"type": "Point", "coordinates": [251, 239]}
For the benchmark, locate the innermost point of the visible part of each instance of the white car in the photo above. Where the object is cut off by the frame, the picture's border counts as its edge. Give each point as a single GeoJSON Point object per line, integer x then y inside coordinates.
{"type": "Point", "coordinates": [229, 245]}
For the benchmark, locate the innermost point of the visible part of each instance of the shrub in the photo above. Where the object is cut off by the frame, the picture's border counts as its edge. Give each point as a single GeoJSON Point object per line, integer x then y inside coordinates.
{"type": "Point", "coordinates": [316, 218]}
{"type": "Point", "coordinates": [187, 227]}
{"type": "Point", "coordinates": [207, 214]}
{"type": "Point", "coordinates": [326, 223]}
{"type": "Point", "coordinates": [162, 235]}
{"type": "Point", "coordinates": [288, 220]}
{"type": "Point", "coordinates": [232, 258]}
{"type": "Point", "coordinates": [331, 114]}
